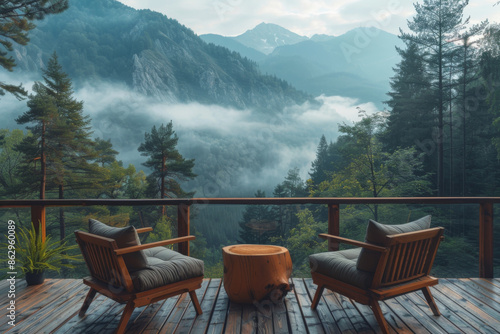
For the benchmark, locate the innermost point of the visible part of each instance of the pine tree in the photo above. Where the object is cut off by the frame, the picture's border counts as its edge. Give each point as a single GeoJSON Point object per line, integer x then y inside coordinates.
{"type": "Point", "coordinates": [258, 223]}
{"type": "Point", "coordinates": [61, 137]}
{"type": "Point", "coordinates": [11, 186]}
{"type": "Point", "coordinates": [435, 28]}
{"type": "Point", "coordinates": [16, 20]}
{"type": "Point", "coordinates": [320, 165]}
{"type": "Point", "coordinates": [42, 113]}
{"type": "Point", "coordinates": [411, 103]}
{"type": "Point", "coordinates": [105, 154]}
{"type": "Point", "coordinates": [167, 164]}
{"type": "Point", "coordinates": [467, 91]}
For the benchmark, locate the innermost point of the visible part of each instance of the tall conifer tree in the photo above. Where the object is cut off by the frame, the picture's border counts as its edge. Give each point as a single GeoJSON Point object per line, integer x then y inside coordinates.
{"type": "Point", "coordinates": [411, 104]}
{"type": "Point", "coordinates": [61, 137]}
{"type": "Point", "coordinates": [320, 166]}
{"type": "Point", "coordinates": [167, 164]}
{"type": "Point", "coordinates": [435, 27]}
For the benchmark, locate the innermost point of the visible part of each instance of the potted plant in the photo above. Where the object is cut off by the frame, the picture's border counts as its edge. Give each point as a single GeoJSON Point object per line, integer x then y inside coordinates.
{"type": "Point", "coordinates": [35, 256]}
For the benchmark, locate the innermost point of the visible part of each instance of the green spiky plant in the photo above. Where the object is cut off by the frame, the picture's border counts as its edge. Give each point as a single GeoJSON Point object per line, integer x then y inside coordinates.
{"type": "Point", "coordinates": [35, 256]}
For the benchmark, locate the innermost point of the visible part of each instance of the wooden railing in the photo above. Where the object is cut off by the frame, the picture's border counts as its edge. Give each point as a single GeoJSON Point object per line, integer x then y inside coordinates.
{"type": "Point", "coordinates": [485, 216]}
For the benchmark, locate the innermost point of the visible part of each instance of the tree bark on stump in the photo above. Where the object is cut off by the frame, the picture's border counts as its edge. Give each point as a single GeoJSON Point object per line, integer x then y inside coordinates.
{"type": "Point", "coordinates": [254, 272]}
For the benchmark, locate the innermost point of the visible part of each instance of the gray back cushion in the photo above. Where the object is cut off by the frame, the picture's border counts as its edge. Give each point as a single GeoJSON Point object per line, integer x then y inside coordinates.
{"type": "Point", "coordinates": [124, 237]}
{"type": "Point", "coordinates": [376, 233]}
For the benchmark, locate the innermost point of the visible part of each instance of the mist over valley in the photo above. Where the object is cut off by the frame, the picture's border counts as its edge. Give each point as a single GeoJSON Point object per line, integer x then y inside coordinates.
{"type": "Point", "coordinates": [136, 68]}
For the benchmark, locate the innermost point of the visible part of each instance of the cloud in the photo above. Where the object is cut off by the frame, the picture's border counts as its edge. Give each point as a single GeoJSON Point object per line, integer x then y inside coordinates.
{"type": "Point", "coordinates": [234, 150]}
{"type": "Point", "coordinates": [234, 17]}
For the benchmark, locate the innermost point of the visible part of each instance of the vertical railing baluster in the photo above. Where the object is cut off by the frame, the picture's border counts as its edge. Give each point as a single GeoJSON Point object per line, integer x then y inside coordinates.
{"type": "Point", "coordinates": [333, 225]}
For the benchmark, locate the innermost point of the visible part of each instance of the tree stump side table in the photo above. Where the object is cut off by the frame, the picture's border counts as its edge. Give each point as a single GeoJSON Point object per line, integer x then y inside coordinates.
{"type": "Point", "coordinates": [253, 272]}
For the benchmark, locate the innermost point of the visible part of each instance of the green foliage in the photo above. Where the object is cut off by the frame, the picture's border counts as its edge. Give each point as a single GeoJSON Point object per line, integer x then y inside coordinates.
{"type": "Point", "coordinates": [162, 230]}
{"type": "Point", "coordinates": [61, 140]}
{"type": "Point", "coordinates": [35, 255]}
{"type": "Point", "coordinates": [322, 164]}
{"type": "Point", "coordinates": [454, 258]}
{"type": "Point", "coordinates": [167, 164]}
{"type": "Point", "coordinates": [411, 103]}
{"type": "Point", "coordinates": [258, 223]}
{"type": "Point", "coordinates": [304, 241]}
{"type": "Point", "coordinates": [16, 20]}
{"type": "Point", "coordinates": [11, 160]}
{"type": "Point", "coordinates": [370, 171]}
{"type": "Point", "coordinates": [214, 271]}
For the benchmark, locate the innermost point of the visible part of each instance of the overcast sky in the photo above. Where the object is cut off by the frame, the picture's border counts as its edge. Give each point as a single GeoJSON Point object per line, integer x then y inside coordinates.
{"type": "Point", "coordinates": [234, 17]}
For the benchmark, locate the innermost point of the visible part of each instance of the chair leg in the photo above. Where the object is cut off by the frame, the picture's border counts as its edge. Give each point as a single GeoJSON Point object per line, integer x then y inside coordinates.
{"type": "Point", "coordinates": [88, 300]}
{"type": "Point", "coordinates": [127, 312]}
{"type": "Point", "coordinates": [377, 311]}
{"type": "Point", "coordinates": [430, 300]}
{"type": "Point", "coordinates": [196, 304]}
{"type": "Point", "coordinates": [317, 296]}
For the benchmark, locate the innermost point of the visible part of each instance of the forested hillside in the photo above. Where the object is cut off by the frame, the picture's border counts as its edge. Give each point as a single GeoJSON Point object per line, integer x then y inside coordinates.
{"type": "Point", "coordinates": [104, 40]}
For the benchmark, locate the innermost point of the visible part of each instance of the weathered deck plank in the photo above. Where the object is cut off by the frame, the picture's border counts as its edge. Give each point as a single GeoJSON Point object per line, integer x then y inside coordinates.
{"type": "Point", "coordinates": [219, 314]}
{"type": "Point", "coordinates": [468, 305]}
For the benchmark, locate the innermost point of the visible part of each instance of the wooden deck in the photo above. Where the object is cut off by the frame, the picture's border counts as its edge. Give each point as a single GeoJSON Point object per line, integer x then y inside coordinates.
{"type": "Point", "coordinates": [467, 306]}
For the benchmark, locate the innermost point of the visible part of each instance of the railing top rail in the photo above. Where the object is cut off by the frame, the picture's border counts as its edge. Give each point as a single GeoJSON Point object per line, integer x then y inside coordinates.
{"type": "Point", "coordinates": [248, 201]}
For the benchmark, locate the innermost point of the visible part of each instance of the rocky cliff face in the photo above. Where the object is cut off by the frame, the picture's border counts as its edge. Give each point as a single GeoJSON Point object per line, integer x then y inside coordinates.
{"type": "Point", "coordinates": [154, 55]}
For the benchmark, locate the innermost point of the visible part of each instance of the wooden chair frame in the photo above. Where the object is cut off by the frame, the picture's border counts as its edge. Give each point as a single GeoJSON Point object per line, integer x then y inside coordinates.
{"type": "Point", "coordinates": [404, 266]}
{"type": "Point", "coordinates": [111, 278]}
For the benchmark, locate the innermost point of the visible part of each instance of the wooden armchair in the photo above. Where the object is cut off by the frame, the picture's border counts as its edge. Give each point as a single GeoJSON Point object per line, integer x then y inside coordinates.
{"type": "Point", "coordinates": [404, 264]}
{"type": "Point", "coordinates": [111, 277]}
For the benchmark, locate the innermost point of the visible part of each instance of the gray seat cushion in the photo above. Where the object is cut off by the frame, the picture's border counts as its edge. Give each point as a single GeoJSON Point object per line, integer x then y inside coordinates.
{"type": "Point", "coordinates": [376, 234]}
{"type": "Point", "coordinates": [341, 265]}
{"type": "Point", "coordinates": [124, 237]}
{"type": "Point", "coordinates": [165, 266]}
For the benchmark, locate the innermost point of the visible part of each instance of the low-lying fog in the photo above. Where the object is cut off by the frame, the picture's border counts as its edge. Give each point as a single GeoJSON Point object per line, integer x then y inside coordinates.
{"type": "Point", "coordinates": [236, 152]}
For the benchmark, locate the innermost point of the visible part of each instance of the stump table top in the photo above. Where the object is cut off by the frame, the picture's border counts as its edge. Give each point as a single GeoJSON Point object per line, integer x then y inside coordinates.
{"type": "Point", "coordinates": [254, 250]}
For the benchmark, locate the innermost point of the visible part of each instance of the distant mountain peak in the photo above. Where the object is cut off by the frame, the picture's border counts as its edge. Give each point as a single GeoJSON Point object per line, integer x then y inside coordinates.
{"type": "Point", "coordinates": [265, 37]}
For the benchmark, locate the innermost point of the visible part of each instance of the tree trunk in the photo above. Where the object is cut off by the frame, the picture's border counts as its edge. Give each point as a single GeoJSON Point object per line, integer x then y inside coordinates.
{"type": "Point", "coordinates": [254, 272]}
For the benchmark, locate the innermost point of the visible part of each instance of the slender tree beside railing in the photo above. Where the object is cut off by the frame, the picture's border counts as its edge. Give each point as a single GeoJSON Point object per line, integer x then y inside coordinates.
{"type": "Point", "coordinates": [167, 164]}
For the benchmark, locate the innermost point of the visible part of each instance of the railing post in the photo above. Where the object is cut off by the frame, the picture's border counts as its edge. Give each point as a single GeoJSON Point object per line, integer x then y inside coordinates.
{"type": "Point", "coordinates": [486, 240]}
{"type": "Point", "coordinates": [38, 219]}
{"type": "Point", "coordinates": [333, 225]}
{"type": "Point", "coordinates": [183, 227]}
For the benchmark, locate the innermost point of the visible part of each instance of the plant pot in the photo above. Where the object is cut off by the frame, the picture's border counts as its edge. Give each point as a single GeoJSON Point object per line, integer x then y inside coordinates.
{"type": "Point", "coordinates": [35, 278]}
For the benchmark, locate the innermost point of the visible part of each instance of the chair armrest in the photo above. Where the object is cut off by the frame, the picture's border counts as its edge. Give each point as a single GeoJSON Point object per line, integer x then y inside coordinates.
{"type": "Point", "coordinates": [354, 242]}
{"type": "Point", "coordinates": [121, 251]}
{"type": "Point", "coordinates": [144, 229]}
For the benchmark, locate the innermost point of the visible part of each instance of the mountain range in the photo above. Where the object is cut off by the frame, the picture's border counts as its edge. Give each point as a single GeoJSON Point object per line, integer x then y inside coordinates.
{"type": "Point", "coordinates": [153, 54]}
{"type": "Point", "coordinates": [357, 64]}
{"type": "Point", "coordinates": [266, 68]}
